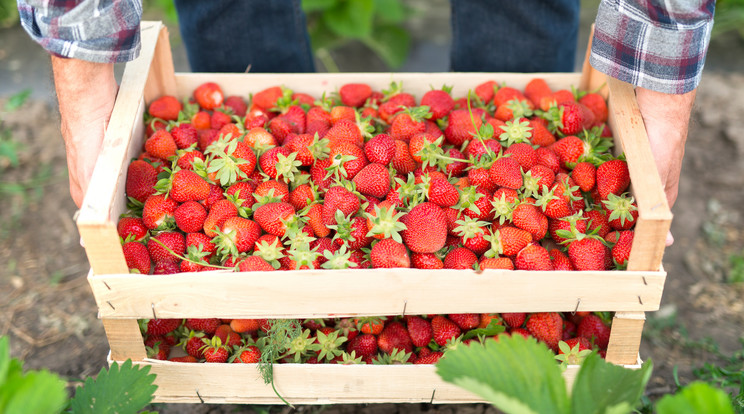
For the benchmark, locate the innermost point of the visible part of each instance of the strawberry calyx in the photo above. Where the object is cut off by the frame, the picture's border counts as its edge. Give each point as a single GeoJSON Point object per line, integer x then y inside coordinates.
{"type": "Point", "coordinates": [287, 167]}
{"type": "Point", "coordinates": [270, 252]}
{"type": "Point", "coordinates": [340, 259]}
{"type": "Point", "coordinates": [299, 347]}
{"type": "Point", "coordinates": [520, 108]}
{"type": "Point", "coordinates": [328, 346]}
{"type": "Point", "coordinates": [515, 131]}
{"type": "Point", "coordinates": [620, 207]}
{"type": "Point", "coordinates": [351, 359]}
{"type": "Point", "coordinates": [396, 357]}
{"type": "Point", "coordinates": [568, 355]}
{"type": "Point", "coordinates": [468, 197]}
{"type": "Point", "coordinates": [386, 222]}
{"type": "Point", "coordinates": [469, 227]}
{"type": "Point", "coordinates": [343, 228]}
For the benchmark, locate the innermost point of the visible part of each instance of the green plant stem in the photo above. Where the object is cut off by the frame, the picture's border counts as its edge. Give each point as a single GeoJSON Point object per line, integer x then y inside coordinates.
{"type": "Point", "coordinates": [327, 60]}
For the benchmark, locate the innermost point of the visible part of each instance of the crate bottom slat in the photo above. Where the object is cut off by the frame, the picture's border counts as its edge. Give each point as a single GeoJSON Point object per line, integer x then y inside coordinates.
{"type": "Point", "coordinates": [310, 384]}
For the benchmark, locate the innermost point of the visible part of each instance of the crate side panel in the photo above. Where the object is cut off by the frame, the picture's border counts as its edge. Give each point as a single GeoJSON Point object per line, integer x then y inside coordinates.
{"type": "Point", "coordinates": [372, 292]}
{"type": "Point", "coordinates": [625, 337]}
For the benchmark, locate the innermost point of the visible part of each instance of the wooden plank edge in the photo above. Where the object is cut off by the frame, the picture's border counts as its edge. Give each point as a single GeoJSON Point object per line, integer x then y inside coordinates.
{"type": "Point", "coordinates": [625, 337]}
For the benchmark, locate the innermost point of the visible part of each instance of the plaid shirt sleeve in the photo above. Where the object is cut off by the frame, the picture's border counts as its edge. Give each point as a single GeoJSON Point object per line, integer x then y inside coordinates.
{"type": "Point", "coordinates": [653, 44]}
{"type": "Point", "coordinates": [103, 31]}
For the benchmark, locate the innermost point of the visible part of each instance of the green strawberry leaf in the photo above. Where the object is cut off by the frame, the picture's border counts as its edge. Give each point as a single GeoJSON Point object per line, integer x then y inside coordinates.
{"type": "Point", "coordinates": [492, 329]}
{"type": "Point", "coordinates": [351, 18]}
{"type": "Point", "coordinates": [390, 43]}
{"type": "Point", "coordinates": [391, 11]}
{"type": "Point", "coordinates": [515, 374]}
{"type": "Point", "coordinates": [309, 6]}
{"type": "Point", "coordinates": [601, 386]}
{"type": "Point", "coordinates": [696, 398]}
{"type": "Point", "coordinates": [104, 394]}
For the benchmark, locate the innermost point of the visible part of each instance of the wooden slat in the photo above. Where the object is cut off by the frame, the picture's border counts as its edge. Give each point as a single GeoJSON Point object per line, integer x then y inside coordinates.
{"type": "Point", "coordinates": [161, 79]}
{"type": "Point", "coordinates": [311, 384]}
{"type": "Point", "coordinates": [625, 337]}
{"type": "Point", "coordinates": [654, 214]}
{"type": "Point", "coordinates": [125, 339]}
{"type": "Point", "coordinates": [372, 292]}
{"type": "Point", "coordinates": [592, 79]}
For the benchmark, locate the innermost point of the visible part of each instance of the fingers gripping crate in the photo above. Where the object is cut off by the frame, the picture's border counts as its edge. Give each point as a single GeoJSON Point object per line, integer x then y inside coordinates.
{"type": "Point", "coordinates": [123, 298]}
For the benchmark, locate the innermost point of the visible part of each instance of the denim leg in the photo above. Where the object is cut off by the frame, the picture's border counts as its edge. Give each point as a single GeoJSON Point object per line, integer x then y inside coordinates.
{"type": "Point", "coordinates": [514, 35]}
{"type": "Point", "coordinates": [229, 35]}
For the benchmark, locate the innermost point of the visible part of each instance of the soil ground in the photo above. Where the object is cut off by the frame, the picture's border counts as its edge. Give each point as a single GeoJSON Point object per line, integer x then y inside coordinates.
{"type": "Point", "coordinates": [48, 311]}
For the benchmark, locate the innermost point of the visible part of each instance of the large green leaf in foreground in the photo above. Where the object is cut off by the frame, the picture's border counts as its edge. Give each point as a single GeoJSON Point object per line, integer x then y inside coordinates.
{"type": "Point", "coordinates": [122, 389]}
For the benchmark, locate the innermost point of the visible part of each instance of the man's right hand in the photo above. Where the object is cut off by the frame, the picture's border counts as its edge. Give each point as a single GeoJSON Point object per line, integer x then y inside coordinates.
{"type": "Point", "coordinates": [86, 92]}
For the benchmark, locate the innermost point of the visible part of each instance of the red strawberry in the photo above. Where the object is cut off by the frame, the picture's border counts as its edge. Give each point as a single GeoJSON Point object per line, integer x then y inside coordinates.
{"type": "Point", "coordinates": [439, 101]}
{"type": "Point", "coordinates": [584, 175]}
{"type": "Point", "coordinates": [442, 193]}
{"type": "Point", "coordinates": [141, 180]}
{"type": "Point", "coordinates": [209, 95]}
{"type": "Point", "coordinates": [612, 178]}
{"type": "Point", "coordinates": [364, 345]}
{"type": "Point", "coordinates": [220, 211]}
{"type": "Point", "coordinates": [185, 135]}
{"type": "Point", "coordinates": [373, 180]}
{"type": "Point", "coordinates": [272, 217]}
{"type": "Point", "coordinates": [131, 227]}
{"type": "Point", "coordinates": [533, 257]}
{"type": "Point", "coordinates": [338, 198]}
{"type": "Point", "coordinates": [402, 160]}
{"type": "Point", "coordinates": [214, 351]}
{"type": "Point", "coordinates": [187, 185]}
{"type": "Point", "coordinates": [207, 325]}
{"type": "Point", "coordinates": [546, 327]}
{"type": "Point", "coordinates": [523, 153]}
{"type": "Point", "coordinates": [621, 249]}
{"type": "Point", "coordinates": [426, 261]}
{"type": "Point", "coordinates": [157, 212]}
{"type": "Point", "coordinates": [528, 217]}
{"type": "Point", "coordinates": [255, 264]}
{"type": "Point", "coordinates": [165, 246]}
{"type": "Point", "coordinates": [592, 328]}
{"type": "Point", "coordinates": [157, 347]}
{"type": "Point", "coordinates": [161, 145]}
{"type": "Point", "coordinates": [597, 105]}
{"type": "Point", "coordinates": [587, 253]}
{"type": "Point", "coordinates": [388, 253]}
{"type": "Point", "coordinates": [426, 228]}
{"type": "Point", "coordinates": [622, 211]}
{"type": "Point", "coordinates": [239, 235]}
{"type": "Point", "coordinates": [431, 358]}
{"type": "Point", "coordinates": [190, 216]}
{"type": "Point", "coordinates": [460, 258]}
{"type": "Point", "coordinates": [508, 241]}
{"type": "Point", "coordinates": [380, 149]}
{"type": "Point", "coordinates": [137, 257]}
{"type": "Point", "coordinates": [536, 89]}
{"type": "Point", "coordinates": [505, 172]}
{"type": "Point", "coordinates": [514, 319]}
{"type": "Point", "coordinates": [247, 354]}
{"type": "Point", "coordinates": [541, 135]}
{"type": "Point", "coordinates": [160, 327]}
{"type": "Point", "coordinates": [460, 127]}
{"type": "Point", "coordinates": [419, 330]}
{"type": "Point", "coordinates": [166, 108]}
{"type": "Point", "coordinates": [186, 159]}
{"type": "Point", "coordinates": [465, 321]}
{"type": "Point", "coordinates": [315, 219]}
{"type": "Point", "coordinates": [394, 336]}
{"type": "Point", "coordinates": [503, 263]}
{"type": "Point", "coordinates": [597, 219]}
{"type": "Point", "coordinates": [574, 118]}
{"type": "Point", "coordinates": [443, 330]}
{"type": "Point", "coordinates": [228, 337]}
{"type": "Point", "coordinates": [485, 90]}
{"type": "Point", "coordinates": [345, 131]}
{"type": "Point", "coordinates": [355, 94]}
{"type": "Point", "coordinates": [237, 104]}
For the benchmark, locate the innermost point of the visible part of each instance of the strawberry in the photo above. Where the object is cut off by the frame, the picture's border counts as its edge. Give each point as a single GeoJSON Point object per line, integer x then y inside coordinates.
{"type": "Point", "coordinates": [536, 89]}
{"type": "Point", "coordinates": [161, 145]}
{"type": "Point", "coordinates": [426, 261]}
{"type": "Point", "coordinates": [258, 138]}
{"type": "Point", "coordinates": [141, 180]}
{"type": "Point", "coordinates": [292, 121]}
{"type": "Point", "coordinates": [266, 99]}
{"type": "Point", "coordinates": [426, 228]}
{"type": "Point", "coordinates": [394, 336]}
{"type": "Point", "coordinates": [597, 105]}
{"type": "Point", "coordinates": [209, 95]}
{"type": "Point", "coordinates": [228, 337]}
{"type": "Point", "coordinates": [166, 108]}
{"type": "Point", "coordinates": [380, 149]}
{"type": "Point", "coordinates": [273, 217]}
{"type": "Point", "coordinates": [514, 319]}
{"type": "Point", "coordinates": [207, 325]}
{"type": "Point", "coordinates": [166, 247]}
{"type": "Point", "coordinates": [185, 135]}
{"type": "Point", "coordinates": [594, 329]}
{"type": "Point", "coordinates": [345, 131]}
{"type": "Point", "coordinates": [528, 217]}
{"type": "Point", "coordinates": [187, 185]}
{"type": "Point", "coordinates": [533, 257]}
{"type": "Point", "coordinates": [187, 158]}
{"type": "Point", "coordinates": [460, 258]}
{"type": "Point", "coordinates": [548, 158]}
{"type": "Point", "coordinates": [584, 175]}
{"type": "Point", "coordinates": [597, 219]}
{"type": "Point", "coordinates": [184, 359]}
{"type": "Point", "coordinates": [348, 159]}
{"type": "Point", "coordinates": [158, 211]}
{"type": "Point", "coordinates": [485, 90]}
{"type": "Point", "coordinates": [505, 172]}
{"type": "Point", "coordinates": [569, 149]}
{"type": "Point", "coordinates": [343, 112]}
{"type": "Point", "coordinates": [587, 253]}
{"type": "Point", "coordinates": [431, 358]}
{"type": "Point", "coordinates": [388, 253]}
{"type": "Point", "coordinates": [621, 249]}
{"type": "Point", "coordinates": [574, 117]}
{"type": "Point", "coordinates": [547, 327]}
{"type": "Point", "coordinates": [271, 190]}
{"type": "Point", "coordinates": [218, 213]}
{"type": "Point", "coordinates": [419, 330]}
{"type": "Point", "coordinates": [541, 135]}
{"type": "Point", "coordinates": [238, 235]}
{"type": "Point", "coordinates": [338, 198]}
{"type": "Point", "coordinates": [255, 264]}
{"type": "Point", "coordinates": [442, 193]}
{"type": "Point", "coordinates": [507, 241]}
{"type": "Point", "coordinates": [402, 160]}
{"type": "Point", "coordinates": [224, 126]}
{"type": "Point", "coordinates": [132, 228]}
{"type": "Point", "coordinates": [443, 330]}
{"type": "Point", "coordinates": [137, 257]}
{"type": "Point", "coordinates": [622, 211]}
{"type": "Point", "coordinates": [465, 321]}
{"type": "Point", "coordinates": [157, 347]}
{"type": "Point", "coordinates": [355, 94]}
{"type": "Point", "coordinates": [214, 350]}
{"type": "Point", "coordinates": [190, 217]}
{"type": "Point", "coordinates": [503, 263]}
{"type": "Point", "coordinates": [373, 180]}
{"type": "Point", "coordinates": [246, 354]}
{"type": "Point", "coordinates": [314, 216]}
{"type": "Point", "coordinates": [439, 101]}
{"type": "Point", "coordinates": [408, 123]}
{"type": "Point", "coordinates": [364, 345]}
{"type": "Point", "coordinates": [244, 325]}
{"type": "Point", "coordinates": [506, 94]}
{"type": "Point", "coordinates": [460, 128]}
{"type": "Point", "coordinates": [308, 148]}
{"type": "Point", "coordinates": [612, 178]}
{"type": "Point", "coordinates": [161, 327]}
{"type": "Point", "coordinates": [237, 104]}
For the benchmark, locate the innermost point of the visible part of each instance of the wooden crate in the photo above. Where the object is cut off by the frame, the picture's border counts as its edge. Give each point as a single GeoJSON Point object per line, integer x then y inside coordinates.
{"type": "Point", "coordinates": [123, 298]}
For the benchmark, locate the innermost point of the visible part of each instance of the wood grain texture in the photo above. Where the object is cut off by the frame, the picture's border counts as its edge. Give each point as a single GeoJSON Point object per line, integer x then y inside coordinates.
{"type": "Point", "coordinates": [372, 292]}
{"type": "Point", "coordinates": [125, 339]}
{"type": "Point", "coordinates": [625, 337]}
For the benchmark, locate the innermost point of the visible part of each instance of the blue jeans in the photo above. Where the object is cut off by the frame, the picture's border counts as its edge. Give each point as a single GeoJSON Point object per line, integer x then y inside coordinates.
{"type": "Point", "coordinates": [487, 35]}
{"type": "Point", "coordinates": [270, 36]}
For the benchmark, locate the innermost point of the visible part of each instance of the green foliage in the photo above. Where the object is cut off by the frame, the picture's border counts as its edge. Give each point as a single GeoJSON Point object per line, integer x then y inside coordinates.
{"type": "Point", "coordinates": [9, 147]}
{"type": "Point", "coordinates": [375, 23]}
{"type": "Point", "coordinates": [120, 389]}
{"type": "Point", "coordinates": [519, 375]}
{"type": "Point", "coordinates": [736, 270]}
{"type": "Point", "coordinates": [729, 17]}
{"type": "Point", "coordinates": [8, 13]}
{"type": "Point", "coordinates": [696, 398]}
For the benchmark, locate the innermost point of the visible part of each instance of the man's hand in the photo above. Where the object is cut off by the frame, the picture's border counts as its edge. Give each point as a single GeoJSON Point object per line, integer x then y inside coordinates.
{"type": "Point", "coordinates": [86, 93]}
{"type": "Point", "coordinates": [667, 118]}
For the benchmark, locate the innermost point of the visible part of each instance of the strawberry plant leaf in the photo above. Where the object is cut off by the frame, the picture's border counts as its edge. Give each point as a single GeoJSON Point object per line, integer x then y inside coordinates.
{"type": "Point", "coordinates": [390, 43]}
{"type": "Point", "coordinates": [309, 6]}
{"type": "Point", "coordinates": [515, 374]}
{"type": "Point", "coordinates": [351, 18]}
{"type": "Point", "coordinates": [696, 398]}
{"type": "Point", "coordinates": [122, 388]}
{"type": "Point", "coordinates": [391, 11]}
{"type": "Point", "coordinates": [603, 387]}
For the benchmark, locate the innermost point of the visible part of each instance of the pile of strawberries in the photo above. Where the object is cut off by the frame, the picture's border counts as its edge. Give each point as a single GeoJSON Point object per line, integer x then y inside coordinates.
{"type": "Point", "coordinates": [409, 339]}
{"type": "Point", "coordinates": [500, 178]}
